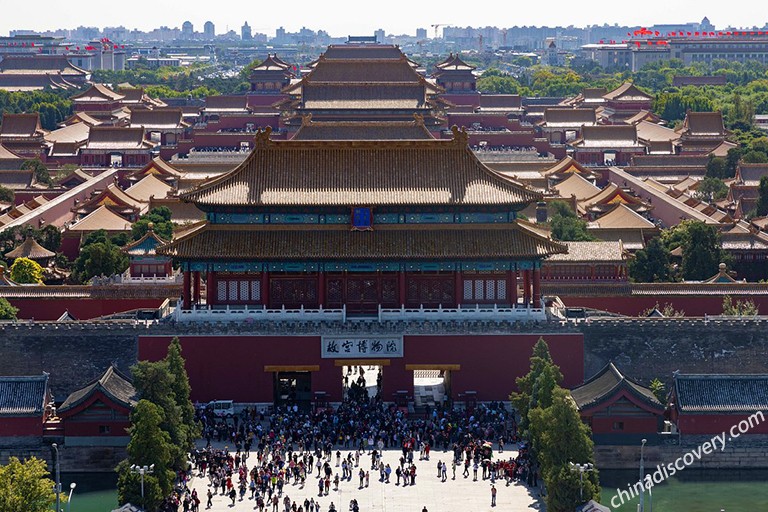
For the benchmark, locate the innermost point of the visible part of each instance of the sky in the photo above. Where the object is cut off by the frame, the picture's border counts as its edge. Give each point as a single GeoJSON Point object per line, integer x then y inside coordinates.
{"type": "Point", "coordinates": [349, 17]}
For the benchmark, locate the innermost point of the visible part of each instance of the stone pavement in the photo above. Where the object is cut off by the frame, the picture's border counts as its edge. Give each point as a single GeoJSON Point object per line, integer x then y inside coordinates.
{"type": "Point", "coordinates": [460, 495]}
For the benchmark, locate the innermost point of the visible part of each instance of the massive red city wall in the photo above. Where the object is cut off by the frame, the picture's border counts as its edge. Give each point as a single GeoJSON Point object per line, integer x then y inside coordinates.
{"type": "Point", "coordinates": [44, 309]}
{"type": "Point", "coordinates": [233, 367]}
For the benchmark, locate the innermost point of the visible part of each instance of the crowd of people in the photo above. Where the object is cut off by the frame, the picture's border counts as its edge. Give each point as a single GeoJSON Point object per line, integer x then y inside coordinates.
{"type": "Point", "coordinates": [265, 456]}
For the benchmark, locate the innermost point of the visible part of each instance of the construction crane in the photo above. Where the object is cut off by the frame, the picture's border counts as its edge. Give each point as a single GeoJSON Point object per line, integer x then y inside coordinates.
{"type": "Point", "coordinates": [436, 26]}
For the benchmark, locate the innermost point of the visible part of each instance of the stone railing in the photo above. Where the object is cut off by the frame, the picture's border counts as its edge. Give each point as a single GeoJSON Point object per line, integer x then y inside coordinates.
{"type": "Point", "coordinates": [483, 313]}
{"type": "Point", "coordinates": [246, 314]}
{"type": "Point", "coordinates": [490, 313]}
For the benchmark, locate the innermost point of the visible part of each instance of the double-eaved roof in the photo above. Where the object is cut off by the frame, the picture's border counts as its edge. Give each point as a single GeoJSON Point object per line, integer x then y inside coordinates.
{"type": "Point", "coordinates": [721, 393]}
{"type": "Point", "coordinates": [368, 173]}
{"type": "Point", "coordinates": [334, 242]}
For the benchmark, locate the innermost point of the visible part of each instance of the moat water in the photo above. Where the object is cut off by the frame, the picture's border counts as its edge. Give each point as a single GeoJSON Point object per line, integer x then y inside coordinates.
{"type": "Point", "coordinates": [689, 491]}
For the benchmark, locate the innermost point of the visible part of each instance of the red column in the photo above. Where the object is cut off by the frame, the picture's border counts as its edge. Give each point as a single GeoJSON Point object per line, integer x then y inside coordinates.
{"type": "Point", "coordinates": [401, 287]}
{"type": "Point", "coordinates": [512, 287]}
{"type": "Point", "coordinates": [459, 288]}
{"type": "Point", "coordinates": [527, 288]}
{"type": "Point", "coordinates": [196, 284]}
{"type": "Point", "coordinates": [537, 287]}
{"type": "Point", "coordinates": [210, 288]}
{"type": "Point", "coordinates": [187, 290]}
{"type": "Point", "coordinates": [320, 288]}
{"type": "Point", "coordinates": [265, 288]}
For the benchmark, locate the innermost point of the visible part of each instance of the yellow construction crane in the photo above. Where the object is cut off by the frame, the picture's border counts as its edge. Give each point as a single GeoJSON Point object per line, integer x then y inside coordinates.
{"type": "Point", "coordinates": [436, 26]}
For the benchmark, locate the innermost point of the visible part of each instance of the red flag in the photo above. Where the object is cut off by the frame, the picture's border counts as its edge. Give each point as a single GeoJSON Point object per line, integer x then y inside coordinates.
{"type": "Point", "coordinates": [629, 33]}
{"type": "Point", "coordinates": [656, 33]}
{"type": "Point", "coordinates": [689, 33]}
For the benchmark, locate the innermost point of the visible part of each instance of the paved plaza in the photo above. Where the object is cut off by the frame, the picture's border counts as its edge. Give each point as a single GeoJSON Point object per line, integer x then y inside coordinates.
{"type": "Point", "coordinates": [460, 495]}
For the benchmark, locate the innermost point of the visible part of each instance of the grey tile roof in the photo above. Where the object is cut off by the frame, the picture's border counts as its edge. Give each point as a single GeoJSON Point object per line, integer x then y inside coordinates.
{"type": "Point", "coordinates": [721, 393]}
{"type": "Point", "coordinates": [112, 383]}
{"type": "Point", "coordinates": [605, 384]}
{"type": "Point", "coordinates": [23, 396]}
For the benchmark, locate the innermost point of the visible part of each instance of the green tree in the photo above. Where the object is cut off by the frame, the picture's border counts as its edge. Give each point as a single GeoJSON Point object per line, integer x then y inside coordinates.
{"type": "Point", "coordinates": [702, 251]}
{"type": "Point", "coordinates": [7, 311]}
{"type": "Point", "coordinates": [160, 220]}
{"type": "Point", "coordinates": [99, 259]}
{"type": "Point", "coordinates": [564, 440]}
{"type": "Point", "coordinates": [6, 195]}
{"type": "Point", "coordinates": [761, 209]}
{"type": "Point", "coordinates": [651, 264]}
{"type": "Point", "coordinates": [565, 225]}
{"type": "Point", "coordinates": [711, 190]}
{"type": "Point", "coordinates": [745, 307]}
{"type": "Point", "coordinates": [531, 390]}
{"type": "Point", "coordinates": [149, 446]}
{"type": "Point", "coordinates": [25, 486]}
{"type": "Point", "coordinates": [182, 390]}
{"type": "Point", "coordinates": [40, 170]}
{"type": "Point", "coordinates": [155, 382]}
{"type": "Point", "coordinates": [659, 390]}
{"type": "Point", "coordinates": [26, 271]}
{"type": "Point", "coordinates": [717, 167]}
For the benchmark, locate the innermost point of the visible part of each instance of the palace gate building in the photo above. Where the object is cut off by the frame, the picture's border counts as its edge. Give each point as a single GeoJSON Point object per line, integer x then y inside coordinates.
{"type": "Point", "coordinates": [386, 240]}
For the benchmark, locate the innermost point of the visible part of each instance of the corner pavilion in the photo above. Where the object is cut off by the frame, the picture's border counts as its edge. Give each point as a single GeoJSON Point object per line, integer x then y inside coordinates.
{"type": "Point", "coordinates": [361, 226]}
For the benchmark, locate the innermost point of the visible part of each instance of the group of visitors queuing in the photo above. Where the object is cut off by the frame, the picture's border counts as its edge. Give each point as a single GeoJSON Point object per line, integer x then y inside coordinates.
{"type": "Point", "coordinates": [267, 455]}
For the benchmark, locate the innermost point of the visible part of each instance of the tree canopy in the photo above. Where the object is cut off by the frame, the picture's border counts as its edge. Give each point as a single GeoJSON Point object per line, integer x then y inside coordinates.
{"type": "Point", "coordinates": [651, 264]}
{"type": "Point", "coordinates": [26, 271]}
{"type": "Point", "coordinates": [25, 486]}
{"type": "Point", "coordinates": [7, 311]}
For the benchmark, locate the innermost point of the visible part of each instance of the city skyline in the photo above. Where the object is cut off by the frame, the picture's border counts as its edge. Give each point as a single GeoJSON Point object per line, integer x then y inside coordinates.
{"type": "Point", "coordinates": [344, 17]}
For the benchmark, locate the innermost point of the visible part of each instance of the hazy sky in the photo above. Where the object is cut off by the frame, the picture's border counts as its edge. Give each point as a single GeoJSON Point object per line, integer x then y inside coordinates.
{"type": "Point", "coordinates": [362, 17]}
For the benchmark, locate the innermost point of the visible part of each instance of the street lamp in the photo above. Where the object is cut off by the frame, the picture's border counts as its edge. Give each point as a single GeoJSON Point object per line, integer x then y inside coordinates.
{"type": "Point", "coordinates": [581, 468]}
{"type": "Point", "coordinates": [58, 476]}
{"type": "Point", "coordinates": [143, 470]}
{"type": "Point", "coordinates": [642, 476]}
{"type": "Point", "coordinates": [71, 490]}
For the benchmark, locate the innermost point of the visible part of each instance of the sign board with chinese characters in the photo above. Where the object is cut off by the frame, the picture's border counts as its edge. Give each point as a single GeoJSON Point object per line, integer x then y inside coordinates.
{"type": "Point", "coordinates": [335, 347]}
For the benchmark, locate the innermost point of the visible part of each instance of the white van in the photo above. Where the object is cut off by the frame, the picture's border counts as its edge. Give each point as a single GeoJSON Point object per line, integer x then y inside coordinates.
{"type": "Point", "coordinates": [222, 408]}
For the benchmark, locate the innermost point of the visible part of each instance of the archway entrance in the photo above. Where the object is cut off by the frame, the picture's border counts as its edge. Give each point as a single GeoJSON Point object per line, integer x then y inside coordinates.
{"type": "Point", "coordinates": [432, 384]}
{"type": "Point", "coordinates": [362, 378]}
{"type": "Point", "coordinates": [293, 388]}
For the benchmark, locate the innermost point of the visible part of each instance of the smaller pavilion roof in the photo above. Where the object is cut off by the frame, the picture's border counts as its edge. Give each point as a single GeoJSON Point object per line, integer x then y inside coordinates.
{"type": "Point", "coordinates": [116, 386]}
{"type": "Point", "coordinates": [622, 217]}
{"type": "Point", "coordinates": [101, 218]}
{"type": "Point", "coordinates": [606, 384]}
{"type": "Point", "coordinates": [30, 249]}
{"type": "Point", "coordinates": [21, 125]}
{"type": "Point", "coordinates": [149, 186]}
{"type": "Point", "coordinates": [146, 245]}
{"type": "Point", "coordinates": [591, 252]}
{"type": "Point", "coordinates": [576, 186]}
{"type": "Point", "coordinates": [97, 93]}
{"type": "Point", "coordinates": [568, 117]}
{"type": "Point", "coordinates": [627, 92]}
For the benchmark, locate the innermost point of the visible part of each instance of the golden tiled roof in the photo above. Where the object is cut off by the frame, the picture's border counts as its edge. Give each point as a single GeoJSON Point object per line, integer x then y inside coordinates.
{"type": "Point", "coordinates": [329, 242]}
{"type": "Point", "coordinates": [369, 173]}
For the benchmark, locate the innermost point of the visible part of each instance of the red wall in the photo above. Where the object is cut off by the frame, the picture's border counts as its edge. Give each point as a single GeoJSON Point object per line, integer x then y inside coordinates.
{"type": "Point", "coordinates": [632, 425]}
{"type": "Point", "coordinates": [232, 367]}
{"type": "Point", "coordinates": [82, 309]}
{"type": "Point", "coordinates": [23, 426]}
{"type": "Point", "coordinates": [712, 424]}
{"type": "Point", "coordinates": [75, 425]}
{"type": "Point", "coordinates": [692, 305]}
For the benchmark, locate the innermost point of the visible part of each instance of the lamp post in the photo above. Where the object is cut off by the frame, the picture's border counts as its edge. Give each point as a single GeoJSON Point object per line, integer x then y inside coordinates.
{"type": "Point", "coordinates": [71, 490]}
{"type": "Point", "coordinates": [58, 476]}
{"type": "Point", "coordinates": [642, 476]}
{"type": "Point", "coordinates": [581, 468]}
{"type": "Point", "coordinates": [143, 470]}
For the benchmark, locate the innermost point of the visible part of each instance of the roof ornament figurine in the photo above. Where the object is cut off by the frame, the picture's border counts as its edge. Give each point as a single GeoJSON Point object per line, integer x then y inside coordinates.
{"type": "Point", "coordinates": [460, 135]}
{"type": "Point", "coordinates": [261, 140]}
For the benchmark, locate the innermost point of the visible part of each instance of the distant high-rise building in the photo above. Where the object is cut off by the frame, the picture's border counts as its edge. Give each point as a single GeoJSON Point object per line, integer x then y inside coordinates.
{"type": "Point", "coordinates": [421, 33]}
{"type": "Point", "coordinates": [209, 30]}
{"type": "Point", "coordinates": [187, 30]}
{"type": "Point", "coordinates": [380, 35]}
{"type": "Point", "coordinates": [245, 32]}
